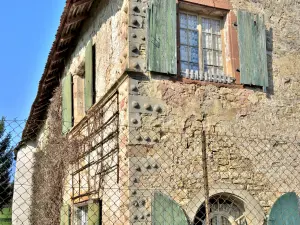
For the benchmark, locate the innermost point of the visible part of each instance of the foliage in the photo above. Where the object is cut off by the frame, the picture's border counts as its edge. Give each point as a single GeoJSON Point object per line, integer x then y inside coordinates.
{"type": "Point", "coordinates": [6, 160]}
{"type": "Point", "coordinates": [54, 155]}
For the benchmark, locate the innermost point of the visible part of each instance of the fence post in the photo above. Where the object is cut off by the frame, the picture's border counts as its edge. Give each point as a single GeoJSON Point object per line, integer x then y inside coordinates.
{"type": "Point", "coordinates": [205, 178]}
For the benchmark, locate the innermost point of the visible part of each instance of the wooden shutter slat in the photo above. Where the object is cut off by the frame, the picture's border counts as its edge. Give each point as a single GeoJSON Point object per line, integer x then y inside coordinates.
{"type": "Point", "coordinates": [93, 214]}
{"type": "Point", "coordinates": [162, 56]}
{"type": "Point", "coordinates": [252, 49]}
{"type": "Point", "coordinates": [67, 103]}
{"type": "Point", "coordinates": [65, 215]}
{"type": "Point", "coordinates": [88, 82]}
{"type": "Point", "coordinates": [166, 211]}
{"type": "Point", "coordinates": [285, 210]}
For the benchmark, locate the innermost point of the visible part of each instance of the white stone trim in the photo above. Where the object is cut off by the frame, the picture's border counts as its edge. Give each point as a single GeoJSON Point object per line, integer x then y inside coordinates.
{"type": "Point", "coordinates": [253, 211]}
{"type": "Point", "coordinates": [22, 196]}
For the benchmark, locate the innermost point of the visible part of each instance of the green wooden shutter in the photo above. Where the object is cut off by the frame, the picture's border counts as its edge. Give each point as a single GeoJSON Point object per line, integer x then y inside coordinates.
{"type": "Point", "coordinates": [285, 211]}
{"type": "Point", "coordinates": [65, 215]}
{"type": "Point", "coordinates": [162, 54]}
{"type": "Point", "coordinates": [67, 103]}
{"type": "Point", "coordinates": [252, 48]}
{"type": "Point", "coordinates": [88, 81]}
{"type": "Point", "coordinates": [166, 211]}
{"type": "Point", "coordinates": [94, 214]}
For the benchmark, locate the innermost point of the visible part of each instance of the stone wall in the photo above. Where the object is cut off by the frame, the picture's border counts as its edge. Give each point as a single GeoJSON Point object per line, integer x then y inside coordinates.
{"type": "Point", "coordinates": [161, 120]}
{"type": "Point", "coordinates": [251, 136]}
{"type": "Point", "coordinates": [107, 29]}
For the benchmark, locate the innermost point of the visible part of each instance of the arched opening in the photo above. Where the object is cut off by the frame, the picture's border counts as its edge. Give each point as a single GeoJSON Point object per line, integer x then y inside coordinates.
{"type": "Point", "coordinates": [225, 209]}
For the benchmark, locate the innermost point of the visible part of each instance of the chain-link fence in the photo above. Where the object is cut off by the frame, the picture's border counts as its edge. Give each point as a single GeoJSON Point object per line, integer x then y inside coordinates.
{"type": "Point", "coordinates": [103, 172]}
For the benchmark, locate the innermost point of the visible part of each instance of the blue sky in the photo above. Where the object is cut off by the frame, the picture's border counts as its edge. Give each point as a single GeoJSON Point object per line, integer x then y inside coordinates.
{"type": "Point", "coordinates": [27, 33]}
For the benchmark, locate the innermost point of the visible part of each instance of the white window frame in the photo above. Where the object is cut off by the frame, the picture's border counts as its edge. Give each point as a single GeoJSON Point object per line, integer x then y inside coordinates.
{"type": "Point", "coordinates": [200, 48]}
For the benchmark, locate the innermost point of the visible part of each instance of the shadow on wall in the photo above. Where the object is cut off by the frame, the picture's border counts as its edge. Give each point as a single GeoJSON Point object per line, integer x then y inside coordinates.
{"type": "Point", "coordinates": [269, 44]}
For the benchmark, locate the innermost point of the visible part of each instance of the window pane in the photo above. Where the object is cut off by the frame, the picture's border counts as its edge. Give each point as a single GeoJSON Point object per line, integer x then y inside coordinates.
{"type": "Point", "coordinates": [212, 46]}
{"type": "Point", "coordinates": [183, 36]}
{"type": "Point", "coordinates": [183, 20]}
{"type": "Point", "coordinates": [192, 22]}
{"type": "Point", "coordinates": [216, 28]}
{"type": "Point", "coordinates": [193, 38]}
{"type": "Point", "coordinates": [210, 70]}
{"type": "Point", "coordinates": [194, 56]}
{"type": "Point", "coordinates": [216, 42]}
{"type": "Point", "coordinates": [184, 66]}
{"type": "Point", "coordinates": [194, 66]}
{"type": "Point", "coordinates": [184, 53]}
{"type": "Point", "coordinates": [189, 42]}
{"type": "Point", "coordinates": [206, 25]}
{"type": "Point", "coordinates": [207, 57]}
{"type": "Point", "coordinates": [207, 41]}
{"type": "Point", "coordinates": [218, 61]}
{"type": "Point", "coordinates": [215, 58]}
{"type": "Point", "coordinates": [219, 71]}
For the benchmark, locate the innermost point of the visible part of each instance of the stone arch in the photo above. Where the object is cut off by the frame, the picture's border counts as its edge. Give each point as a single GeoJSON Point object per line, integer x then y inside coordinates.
{"type": "Point", "coordinates": [253, 211]}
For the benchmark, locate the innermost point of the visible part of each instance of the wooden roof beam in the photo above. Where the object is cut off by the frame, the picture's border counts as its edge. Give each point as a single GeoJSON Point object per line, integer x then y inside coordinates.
{"type": "Point", "coordinates": [67, 37]}
{"type": "Point", "coordinates": [52, 70]}
{"type": "Point", "coordinates": [81, 2]}
{"type": "Point", "coordinates": [75, 20]}
{"type": "Point", "coordinates": [50, 79]}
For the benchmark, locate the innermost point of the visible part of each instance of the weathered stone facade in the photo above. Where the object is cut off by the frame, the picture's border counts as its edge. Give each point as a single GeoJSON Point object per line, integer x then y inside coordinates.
{"type": "Point", "coordinates": [251, 158]}
{"type": "Point", "coordinates": [250, 135]}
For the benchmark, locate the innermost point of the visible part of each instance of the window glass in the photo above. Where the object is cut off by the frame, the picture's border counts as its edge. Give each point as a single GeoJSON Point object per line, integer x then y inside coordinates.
{"type": "Point", "coordinates": [212, 46]}
{"type": "Point", "coordinates": [210, 54]}
{"type": "Point", "coordinates": [189, 42]}
{"type": "Point", "coordinates": [81, 215]}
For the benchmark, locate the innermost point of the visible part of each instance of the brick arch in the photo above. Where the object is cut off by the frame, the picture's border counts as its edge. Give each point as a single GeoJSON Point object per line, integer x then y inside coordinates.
{"type": "Point", "coordinates": [253, 210]}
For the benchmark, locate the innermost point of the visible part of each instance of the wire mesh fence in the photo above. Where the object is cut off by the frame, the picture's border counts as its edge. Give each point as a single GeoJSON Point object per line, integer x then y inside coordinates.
{"type": "Point", "coordinates": [103, 172]}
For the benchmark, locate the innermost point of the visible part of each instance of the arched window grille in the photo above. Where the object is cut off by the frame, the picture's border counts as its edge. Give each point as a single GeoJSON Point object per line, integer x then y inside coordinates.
{"type": "Point", "coordinates": [225, 209]}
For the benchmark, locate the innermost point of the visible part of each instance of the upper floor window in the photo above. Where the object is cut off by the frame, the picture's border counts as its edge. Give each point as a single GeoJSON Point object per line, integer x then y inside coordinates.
{"type": "Point", "coordinates": [79, 89]}
{"type": "Point", "coordinates": [200, 44]}
{"type": "Point", "coordinates": [216, 43]}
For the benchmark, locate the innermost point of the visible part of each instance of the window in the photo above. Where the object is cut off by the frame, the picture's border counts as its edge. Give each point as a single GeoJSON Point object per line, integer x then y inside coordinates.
{"type": "Point", "coordinates": [81, 215]}
{"type": "Point", "coordinates": [200, 44]}
{"type": "Point", "coordinates": [225, 209]}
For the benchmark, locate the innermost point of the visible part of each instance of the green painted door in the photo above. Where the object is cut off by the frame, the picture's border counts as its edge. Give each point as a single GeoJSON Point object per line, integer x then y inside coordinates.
{"type": "Point", "coordinates": [285, 210]}
{"type": "Point", "coordinates": [166, 211]}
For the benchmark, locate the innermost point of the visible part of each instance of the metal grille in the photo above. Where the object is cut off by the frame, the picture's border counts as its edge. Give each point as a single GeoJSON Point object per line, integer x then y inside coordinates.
{"type": "Point", "coordinates": [200, 178]}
